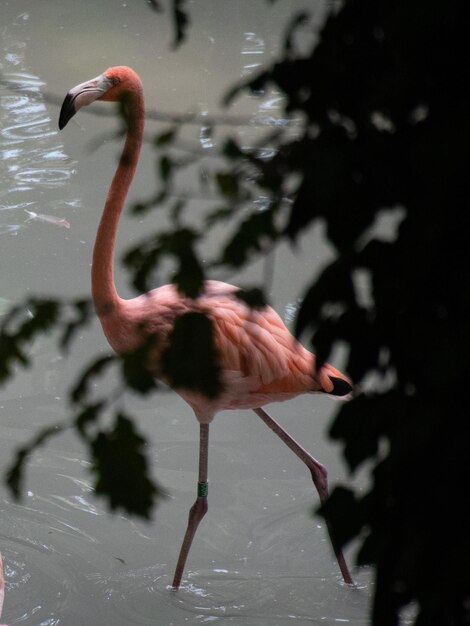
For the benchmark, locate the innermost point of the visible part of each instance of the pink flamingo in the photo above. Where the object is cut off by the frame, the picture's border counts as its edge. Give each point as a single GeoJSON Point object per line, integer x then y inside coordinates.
{"type": "Point", "coordinates": [2, 587]}
{"type": "Point", "coordinates": [260, 360]}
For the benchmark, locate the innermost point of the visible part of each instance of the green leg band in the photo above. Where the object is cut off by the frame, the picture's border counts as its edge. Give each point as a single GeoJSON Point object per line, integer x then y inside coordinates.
{"type": "Point", "coordinates": [202, 489]}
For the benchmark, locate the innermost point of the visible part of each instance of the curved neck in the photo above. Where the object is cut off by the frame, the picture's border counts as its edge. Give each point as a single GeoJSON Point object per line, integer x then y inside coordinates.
{"type": "Point", "coordinates": [105, 296]}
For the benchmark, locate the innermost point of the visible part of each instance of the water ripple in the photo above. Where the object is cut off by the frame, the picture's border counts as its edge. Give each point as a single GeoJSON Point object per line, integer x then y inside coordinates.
{"type": "Point", "coordinates": [30, 159]}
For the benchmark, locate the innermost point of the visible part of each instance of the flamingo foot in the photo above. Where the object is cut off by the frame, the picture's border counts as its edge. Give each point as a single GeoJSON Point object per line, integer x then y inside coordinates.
{"type": "Point", "coordinates": [197, 512]}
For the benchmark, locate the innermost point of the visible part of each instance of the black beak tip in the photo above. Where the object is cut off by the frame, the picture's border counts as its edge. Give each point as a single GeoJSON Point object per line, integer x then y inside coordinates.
{"type": "Point", "coordinates": [67, 111]}
{"type": "Point", "coordinates": [341, 387]}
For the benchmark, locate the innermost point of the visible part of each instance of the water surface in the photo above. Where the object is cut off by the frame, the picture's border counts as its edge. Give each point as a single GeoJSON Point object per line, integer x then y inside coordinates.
{"type": "Point", "coordinates": [259, 556]}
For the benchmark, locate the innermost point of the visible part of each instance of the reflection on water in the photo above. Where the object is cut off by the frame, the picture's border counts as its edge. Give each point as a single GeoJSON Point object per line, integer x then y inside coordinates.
{"type": "Point", "coordinates": [259, 557]}
{"type": "Point", "coordinates": [31, 158]}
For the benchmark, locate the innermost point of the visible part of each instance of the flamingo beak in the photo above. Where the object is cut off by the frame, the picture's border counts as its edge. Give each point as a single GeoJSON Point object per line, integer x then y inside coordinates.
{"type": "Point", "coordinates": [81, 95]}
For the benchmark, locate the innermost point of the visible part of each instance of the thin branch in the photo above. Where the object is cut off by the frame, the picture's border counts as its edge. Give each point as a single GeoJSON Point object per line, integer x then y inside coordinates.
{"type": "Point", "coordinates": [192, 119]}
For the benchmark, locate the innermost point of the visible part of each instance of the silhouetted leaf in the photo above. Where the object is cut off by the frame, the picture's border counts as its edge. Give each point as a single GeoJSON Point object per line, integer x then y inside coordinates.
{"type": "Point", "coordinates": [252, 234]}
{"type": "Point", "coordinates": [181, 22]}
{"type": "Point", "coordinates": [10, 355]}
{"type": "Point", "coordinates": [254, 298]}
{"type": "Point", "coordinates": [179, 243]}
{"type": "Point", "coordinates": [81, 387]}
{"type": "Point", "coordinates": [125, 485]}
{"type": "Point", "coordinates": [82, 315]}
{"type": "Point", "coordinates": [165, 138]}
{"type": "Point", "coordinates": [218, 215]}
{"type": "Point", "coordinates": [44, 314]}
{"type": "Point", "coordinates": [89, 414]}
{"type": "Point", "coordinates": [189, 276]}
{"type": "Point", "coordinates": [232, 150]}
{"type": "Point", "coordinates": [343, 512]}
{"type": "Point", "coordinates": [155, 4]}
{"type": "Point", "coordinates": [191, 361]}
{"type": "Point", "coordinates": [20, 327]}
{"type": "Point", "coordinates": [15, 473]}
{"type": "Point", "coordinates": [297, 20]}
{"type": "Point", "coordinates": [255, 85]}
{"type": "Point", "coordinates": [228, 184]}
{"type": "Point", "coordinates": [358, 424]}
{"type": "Point", "coordinates": [334, 286]}
{"type": "Point", "coordinates": [166, 167]}
{"type": "Point", "coordinates": [135, 371]}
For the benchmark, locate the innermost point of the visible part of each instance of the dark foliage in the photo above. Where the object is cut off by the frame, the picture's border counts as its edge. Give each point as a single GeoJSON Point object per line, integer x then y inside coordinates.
{"type": "Point", "coordinates": [388, 126]}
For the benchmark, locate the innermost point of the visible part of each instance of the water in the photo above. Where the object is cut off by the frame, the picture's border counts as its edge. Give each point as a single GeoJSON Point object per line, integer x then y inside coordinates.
{"type": "Point", "coordinates": [259, 556]}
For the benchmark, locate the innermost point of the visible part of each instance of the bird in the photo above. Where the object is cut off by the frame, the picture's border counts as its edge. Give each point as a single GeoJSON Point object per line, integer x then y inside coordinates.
{"type": "Point", "coordinates": [2, 587]}
{"type": "Point", "coordinates": [259, 359]}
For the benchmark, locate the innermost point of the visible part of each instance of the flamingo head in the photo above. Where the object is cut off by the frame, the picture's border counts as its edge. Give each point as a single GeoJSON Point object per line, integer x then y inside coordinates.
{"type": "Point", "coordinates": [111, 86]}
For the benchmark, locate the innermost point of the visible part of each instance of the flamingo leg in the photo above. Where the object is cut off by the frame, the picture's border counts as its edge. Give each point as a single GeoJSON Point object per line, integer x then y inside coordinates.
{"type": "Point", "coordinates": [319, 477]}
{"type": "Point", "coordinates": [199, 508]}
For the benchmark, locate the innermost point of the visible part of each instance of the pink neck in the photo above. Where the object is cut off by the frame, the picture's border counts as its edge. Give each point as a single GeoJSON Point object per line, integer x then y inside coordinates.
{"type": "Point", "coordinates": [104, 292]}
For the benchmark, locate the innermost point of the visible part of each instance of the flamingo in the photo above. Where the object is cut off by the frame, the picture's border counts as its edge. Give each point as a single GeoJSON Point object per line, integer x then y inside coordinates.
{"type": "Point", "coordinates": [2, 587]}
{"type": "Point", "coordinates": [260, 360]}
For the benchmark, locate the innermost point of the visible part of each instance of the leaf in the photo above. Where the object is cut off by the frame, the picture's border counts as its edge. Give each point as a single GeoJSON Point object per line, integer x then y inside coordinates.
{"type": "Point", "coordinates": [10, 355]}
{"type": "Point", "coordinates": [254, 298]}
{"type": "Point", "coordinates": [181, 22]}
{"type": "Point", "coordinates": [143, 259]}
{"type": "Point", "coordinates": [255, 85]}
{"type": "Point", "coordinates": [156, 5]}
{"type": "Point", "coordinates": [15, 473]}
{"type": "Point", "coordinates": [81, 387]}
{"type": "Point", "coordinates": [121, 468]}
{"type": "Point", "coordinates": [179, 243]}
{"type": "Point", "coordinates": [44, 314]}
{"type": "Point", "coordinates": [135, 371]}
{"type": "Point", "coordinates": [250, 237]}
{"type": "Point", "coordinates": [165, 138]}
{"type": "Point", "coordinates": [299, 19]}
{"type": "Point", "coordinates": [88, 415]}
{"type": "Point", "coordinates": [228, 184]}
{"type": "Point", "coordinates": [191, 360]}
{"type": "Point", "coordinates": [189, 276]}
{"type": "Point", "coordinates": [20, 327]}
{"type": "Point", "coordinates": [83, 310]}
{"type": "Point", "coordinates": [218, 215]}
{"type": "Point", "coordinates": [334, 285]}
{"type": "Point", "coordinates": [358, 426]}
{"type": "Point", "coordinates": [166, 168]}
{"type": "Point", "coordinates": [232, 150]}
{"type": "Point", "coordinates": [344, 515]}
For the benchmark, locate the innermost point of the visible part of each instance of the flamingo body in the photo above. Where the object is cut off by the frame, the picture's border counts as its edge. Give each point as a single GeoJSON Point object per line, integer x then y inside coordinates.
{"type": "Point", "coordinates": [259, 359]}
